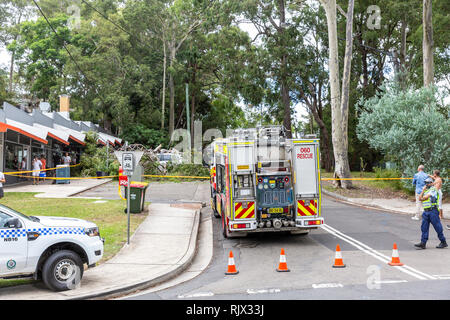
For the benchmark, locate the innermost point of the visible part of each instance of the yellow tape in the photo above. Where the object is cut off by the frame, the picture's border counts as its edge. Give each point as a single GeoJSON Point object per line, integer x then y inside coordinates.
{"type": "Point", "coordinates": [20, 172]}
{"type": "Point", "coordinates": [329, 179]}
{"type": "Point", "coordinates": [162, 176]}
{"type": "Point", "coordinates": [53, 178]}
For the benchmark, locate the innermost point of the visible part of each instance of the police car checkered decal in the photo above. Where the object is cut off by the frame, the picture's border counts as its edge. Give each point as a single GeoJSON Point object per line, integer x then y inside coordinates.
{"type": "Point", "coordinates": [15, 233]}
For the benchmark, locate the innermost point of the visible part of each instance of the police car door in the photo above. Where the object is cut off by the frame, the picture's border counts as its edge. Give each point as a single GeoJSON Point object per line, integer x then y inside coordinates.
{"type": "Point", "coordinates": [13, 245]}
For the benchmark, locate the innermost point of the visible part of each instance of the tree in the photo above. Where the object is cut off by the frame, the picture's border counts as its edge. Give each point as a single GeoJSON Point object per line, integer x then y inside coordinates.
{"type": "Point", "coordinates": [428, 66]}
{"type": "Point", "coordinates": [40, 52]}
{"type": "Point", "coordinates": [12, 13]}
{"type": "Point", "coordinates": [408, 127]}
{"type": "Point", "coordinates": [339, 104]}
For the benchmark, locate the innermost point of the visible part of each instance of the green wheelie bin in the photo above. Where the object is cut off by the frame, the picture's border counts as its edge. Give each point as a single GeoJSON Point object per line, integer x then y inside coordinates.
{"type": "Point", "coordinates": [137, 196]}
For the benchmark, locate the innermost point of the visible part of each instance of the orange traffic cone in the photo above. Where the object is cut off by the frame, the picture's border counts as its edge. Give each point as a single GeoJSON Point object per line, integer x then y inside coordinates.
{"type": "Point", "coordinates": [338, 262]}
{"type": "Point", "coordinates": [395, 257]}
{"type": "Point", "coordinates": [282, 267]}
{"type": "Point", "coordinates": [231, 265]}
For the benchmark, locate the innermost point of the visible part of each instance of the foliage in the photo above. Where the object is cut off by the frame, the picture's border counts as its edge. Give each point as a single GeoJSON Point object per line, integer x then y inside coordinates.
{"type": "Point", "coordinates": [195, 170]}
{"type": "Point", "coordinates": [96, 158]}
{"type": "Point", "coordinates": [407, 127]}
{"type": "Point", "coordinates": [148, 137]}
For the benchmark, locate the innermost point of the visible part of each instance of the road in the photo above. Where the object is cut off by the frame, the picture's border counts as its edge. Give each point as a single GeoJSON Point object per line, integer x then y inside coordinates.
{"type": "Point", "coordinates": [366, 238]}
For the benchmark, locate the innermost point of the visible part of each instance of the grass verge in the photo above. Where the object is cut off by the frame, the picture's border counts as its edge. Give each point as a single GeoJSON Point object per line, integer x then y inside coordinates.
{"type": "Point", "coordinates": [370, 188]}
{"type": "Point", "coordinates": [108, 215]}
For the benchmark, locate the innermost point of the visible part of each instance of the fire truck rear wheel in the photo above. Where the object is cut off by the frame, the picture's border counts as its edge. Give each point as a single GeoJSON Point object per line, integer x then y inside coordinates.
{"type": "Point", "coordinates": [214, 209]}
{"type": "Point", "coordinates": [224, 227]}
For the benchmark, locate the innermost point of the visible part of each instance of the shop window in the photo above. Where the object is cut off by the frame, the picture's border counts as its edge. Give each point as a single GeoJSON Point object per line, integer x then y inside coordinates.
{"type": "Point", "coordinates": [12, 136]}
{"type": "Point", "coordinates": [24, 140]}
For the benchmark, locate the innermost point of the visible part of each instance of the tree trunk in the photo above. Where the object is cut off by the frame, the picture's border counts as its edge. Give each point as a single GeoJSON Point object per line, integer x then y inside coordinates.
{"type": "Point", "coordinates": [193, 102]}
{"type": "Point", "coordinates": [13, 56]}
{"type": "Point", "coordinates": [172, 93]}
{"type": "Point", "coordinates": [11, 72]}
{"type": "Point", "coordinates": [339, 111]}
{"type": "Point", "coordinates": [285, 98]}
{"type": "Point", "coordinates": [428, 67]}
{"type": "Point", "coordinates": [163, 105]}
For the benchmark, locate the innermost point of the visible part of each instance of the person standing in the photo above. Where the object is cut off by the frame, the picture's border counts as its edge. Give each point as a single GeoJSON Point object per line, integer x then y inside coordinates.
{"type": "Point", "coordinates": [2, 181]}
{"type": "Point", "coordinates": [23, 167]}
{"type": "Point", "coordinates": [37, 166]}
{"type": "Point", "coordinates": [438, 185]}
{"type": "Point", "coordinates": [430, 197]}
{"type": "Point", "coordinates": [67, 159]}
{"type": "Point", "coordinates": [419, 183]}
{"type": "Point", "coordinates": [44, 164]}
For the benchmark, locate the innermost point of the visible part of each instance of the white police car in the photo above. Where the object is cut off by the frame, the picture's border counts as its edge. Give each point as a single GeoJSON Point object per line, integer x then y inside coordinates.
{"type": "Point", "coordinates": [53, 249]}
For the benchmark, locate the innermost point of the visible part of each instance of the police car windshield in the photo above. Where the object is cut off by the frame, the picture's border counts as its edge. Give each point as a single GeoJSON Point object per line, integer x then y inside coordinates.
{"type": "Point", "coordinates": [7, 210]}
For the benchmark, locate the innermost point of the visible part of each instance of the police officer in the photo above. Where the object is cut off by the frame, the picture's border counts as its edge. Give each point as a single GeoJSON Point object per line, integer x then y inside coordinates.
{"type": "Point", "coordinates": [430, 198]}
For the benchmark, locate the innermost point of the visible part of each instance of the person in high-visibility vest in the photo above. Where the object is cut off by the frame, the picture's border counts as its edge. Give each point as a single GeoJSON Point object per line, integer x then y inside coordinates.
{"type": "Point", "coordinates": [430, 199]}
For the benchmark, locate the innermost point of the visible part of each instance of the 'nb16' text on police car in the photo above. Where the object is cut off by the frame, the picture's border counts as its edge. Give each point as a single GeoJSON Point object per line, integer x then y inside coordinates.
{"type": "Point", "coordinates": [53, 249]}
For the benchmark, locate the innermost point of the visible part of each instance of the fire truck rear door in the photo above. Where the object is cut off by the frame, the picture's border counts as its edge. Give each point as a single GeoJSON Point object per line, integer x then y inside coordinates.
{"type": "Point", "coordinates": [306, 168]}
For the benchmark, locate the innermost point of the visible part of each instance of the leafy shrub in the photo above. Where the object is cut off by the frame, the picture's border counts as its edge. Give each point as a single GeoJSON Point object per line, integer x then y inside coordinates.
{"type": "Point", "coordinates": [96, 159]}
{"type": "Point", "coordinates": [409, 127]}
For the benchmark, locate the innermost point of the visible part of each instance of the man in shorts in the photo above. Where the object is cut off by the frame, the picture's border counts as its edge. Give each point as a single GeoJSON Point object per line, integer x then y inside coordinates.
{"type": "Point", "coordinates": [438, 185]}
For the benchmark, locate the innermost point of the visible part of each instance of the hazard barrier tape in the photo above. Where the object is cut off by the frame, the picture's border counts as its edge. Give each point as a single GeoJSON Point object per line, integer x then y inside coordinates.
{"type": "Point", "coordinates": [185, 177]}
{"type": "Point", "coordinates": [40, 170]}
{"type": "Point", "coordinates": [163, 176]}
{"type": "Point", "coordinates": [54, 178]}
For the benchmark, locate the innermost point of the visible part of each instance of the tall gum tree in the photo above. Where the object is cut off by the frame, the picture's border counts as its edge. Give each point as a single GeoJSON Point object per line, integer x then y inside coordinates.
{"type": "Point", "coordinates": [428, 66]}
{"type": "Point", "coordinates": [339, 104]}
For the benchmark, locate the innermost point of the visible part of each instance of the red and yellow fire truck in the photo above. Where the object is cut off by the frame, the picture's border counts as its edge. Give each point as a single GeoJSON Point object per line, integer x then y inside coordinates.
{"type": "Point", "coordinates": [263, 182]}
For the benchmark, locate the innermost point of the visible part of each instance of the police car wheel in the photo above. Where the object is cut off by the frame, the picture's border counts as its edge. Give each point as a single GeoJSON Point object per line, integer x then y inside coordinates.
{"type": "Point", "coordinates": [62, 271]}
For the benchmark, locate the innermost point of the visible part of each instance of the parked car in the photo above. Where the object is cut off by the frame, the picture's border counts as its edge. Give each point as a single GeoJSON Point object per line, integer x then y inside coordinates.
{"type": "Point", "coordinates": [54, 249]}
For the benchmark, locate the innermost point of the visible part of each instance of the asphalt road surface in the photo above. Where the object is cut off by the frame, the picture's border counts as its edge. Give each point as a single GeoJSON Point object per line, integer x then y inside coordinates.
{"type": "Point", "coordinates": [366, 238]}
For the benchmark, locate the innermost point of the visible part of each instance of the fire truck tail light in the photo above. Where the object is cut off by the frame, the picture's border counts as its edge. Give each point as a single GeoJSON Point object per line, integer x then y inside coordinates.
{"type": "Point", "coordinates": [314, 222]}
{"type": "Point", "coordinates": [286, 210]}
{"type": "Point", "coordinates": [241, 226]}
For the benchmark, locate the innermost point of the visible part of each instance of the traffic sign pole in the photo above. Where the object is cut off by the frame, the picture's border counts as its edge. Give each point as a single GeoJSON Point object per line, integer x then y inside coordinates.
{"type": "Point", "coordinates": [128, 160]}
{"type": "Point", "coordinates": [128, 209]}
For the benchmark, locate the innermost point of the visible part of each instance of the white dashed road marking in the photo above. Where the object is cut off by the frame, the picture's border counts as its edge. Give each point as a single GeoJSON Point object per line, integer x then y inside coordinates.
{"type": "Point", "coordinates": [377, 255]}
{"type": "Point", "coordinates": [196, 295]}
{"type": "Point", "coordinates": [327, 285]}
{"type": "Point", "coordinates": [262, 291]}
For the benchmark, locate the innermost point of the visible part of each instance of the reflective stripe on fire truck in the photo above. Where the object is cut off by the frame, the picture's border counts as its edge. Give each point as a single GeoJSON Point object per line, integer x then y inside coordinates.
{"type": "Point", "coordinates": [305, 210]}
{"type": "Point", "coordinates": [244, 213]}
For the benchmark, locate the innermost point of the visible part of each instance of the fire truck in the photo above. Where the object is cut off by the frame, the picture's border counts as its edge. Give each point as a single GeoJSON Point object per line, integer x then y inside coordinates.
{"type": "Point", "coordinates": [263, 182]}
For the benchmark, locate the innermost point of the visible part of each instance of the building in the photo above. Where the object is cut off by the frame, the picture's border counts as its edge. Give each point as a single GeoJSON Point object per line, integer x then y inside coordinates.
{"type": "Point", "coordinates": [24, 135]}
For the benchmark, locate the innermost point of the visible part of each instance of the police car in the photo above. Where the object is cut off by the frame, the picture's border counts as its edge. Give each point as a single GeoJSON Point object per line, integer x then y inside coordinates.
{"type": "Point", "coordinates": [54, 249]}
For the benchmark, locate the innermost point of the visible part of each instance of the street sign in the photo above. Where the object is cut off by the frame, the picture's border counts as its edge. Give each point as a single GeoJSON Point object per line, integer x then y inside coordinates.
{"type": "Point", "coordinates": [137, 155]}
{"type": "Point", "coordinates": [128, 162]}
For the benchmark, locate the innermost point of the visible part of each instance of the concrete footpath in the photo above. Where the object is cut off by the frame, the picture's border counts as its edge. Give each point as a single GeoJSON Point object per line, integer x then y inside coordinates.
{"type": "Point", "coordinates": [162, 247]}
{"type": "Point", "coordinates": [395, 205]}
{"type": "Point", "coordinates": [48, 190]}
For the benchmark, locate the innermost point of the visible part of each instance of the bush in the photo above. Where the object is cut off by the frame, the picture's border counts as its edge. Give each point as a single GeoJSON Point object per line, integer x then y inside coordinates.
{"type": "Point", "coordinates": [96, 159]}
{"type": "Point", "coordinates": [409, 128]}
{"type": "Point", "coordinates": [195, 170]}
{"type": "Point", "coordinates": [390, 173]}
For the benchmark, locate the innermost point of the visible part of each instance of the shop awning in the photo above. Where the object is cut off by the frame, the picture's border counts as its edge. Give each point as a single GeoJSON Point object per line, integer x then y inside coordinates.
{"type": "Point", "coordinates": [73, 134]}
{"type": "Point", "coordinates": [56, 134]}
{"type": "Point", "coordinates": [34, 133]}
